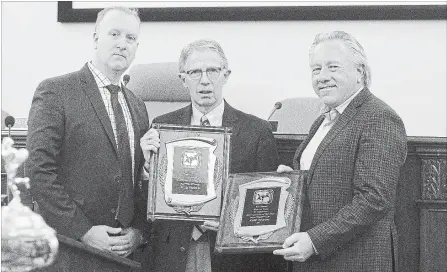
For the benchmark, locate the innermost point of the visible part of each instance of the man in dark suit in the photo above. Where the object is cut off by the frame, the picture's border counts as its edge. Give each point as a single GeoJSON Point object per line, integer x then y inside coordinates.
{"type": "Point", "coordinates": [204, 70]}
{"type": "Point", "coordinates": [353, 155]}
{"type": "Point", "coordinates": [83, 138]}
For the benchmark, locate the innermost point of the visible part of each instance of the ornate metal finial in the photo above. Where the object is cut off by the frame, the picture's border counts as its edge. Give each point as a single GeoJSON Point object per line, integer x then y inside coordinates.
{"type": "Point", "coordinates": [27, 241]}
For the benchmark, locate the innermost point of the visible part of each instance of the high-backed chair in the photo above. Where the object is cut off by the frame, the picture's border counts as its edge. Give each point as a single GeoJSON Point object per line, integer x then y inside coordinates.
{"type": "Point", "coordinates": [159, 87]}
{"type": "Point", "coordinates": [297, 115]}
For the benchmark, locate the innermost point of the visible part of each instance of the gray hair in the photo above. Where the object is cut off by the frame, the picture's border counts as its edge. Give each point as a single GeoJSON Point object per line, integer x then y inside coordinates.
{"type": "Point", "coordinates": [201, 45]}
{"type": "Point", "coordinates": [102, 13]}
{"type": "Point", "coordinates": [354, 47]}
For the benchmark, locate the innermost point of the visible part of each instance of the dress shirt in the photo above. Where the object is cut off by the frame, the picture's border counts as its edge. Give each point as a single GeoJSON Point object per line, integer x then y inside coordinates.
{"type": "Point", "coordinates": [215, 116]}
{"type": "Point", "coordinates": [102, 81]}
{"type": "Point", "coordinates": [198, 255]}
{"type": "Point", "coordinates": [311, 148]}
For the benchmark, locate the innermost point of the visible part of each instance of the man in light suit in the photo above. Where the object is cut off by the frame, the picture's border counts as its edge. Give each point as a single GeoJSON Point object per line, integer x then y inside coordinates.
{"type": "Point", "coordinates": [204, 70]}
{"type": "Point", "coordinates": [83, 138]}
{"type": "Point", "coordinates": [353, 155]}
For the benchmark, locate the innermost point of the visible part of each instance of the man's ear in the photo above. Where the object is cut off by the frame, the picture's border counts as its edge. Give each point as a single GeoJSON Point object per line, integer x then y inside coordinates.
{"type": "Point", "coordinates": [227, 75]}
{"type": "Point", "coordinates": [360, 73]}
{"type": "Point", "coordinates": [95, 40]}
{"type": "Point", "coordinates": [182, 77]}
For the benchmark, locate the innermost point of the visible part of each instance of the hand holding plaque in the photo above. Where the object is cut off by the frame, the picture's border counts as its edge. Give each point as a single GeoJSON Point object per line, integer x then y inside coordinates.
{"type": "Point", "coordinates": [260, 211]}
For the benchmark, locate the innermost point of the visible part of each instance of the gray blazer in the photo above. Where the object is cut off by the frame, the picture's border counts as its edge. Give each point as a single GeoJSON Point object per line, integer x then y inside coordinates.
{"type": "Point", "coordinates": [73, 163]}
{"type": "Point", "coordinates": [351, 189]}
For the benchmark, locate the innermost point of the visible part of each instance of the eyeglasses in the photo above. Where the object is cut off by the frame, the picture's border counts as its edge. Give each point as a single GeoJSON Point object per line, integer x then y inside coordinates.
{"type": "Point", "coordinates": [212, 73]}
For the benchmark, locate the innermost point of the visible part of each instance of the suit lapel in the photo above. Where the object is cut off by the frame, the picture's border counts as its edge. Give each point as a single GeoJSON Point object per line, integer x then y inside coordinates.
{"type": "Point", "coordinates": [302, 146]}
{"type": "Point", "coordinates": [230, 119]}
{"type": "Point", "coordinates": [184, 117]}
{"type": "Point", "coordinates": [131, 103]}
{"type": "Point", "coordinates": [342, 121]}
{"type": "Point", "coordinates": [89, 86]}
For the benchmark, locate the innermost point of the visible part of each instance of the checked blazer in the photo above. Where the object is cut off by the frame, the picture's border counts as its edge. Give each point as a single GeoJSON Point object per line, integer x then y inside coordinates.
{"type": "Point", "coordinates": [73, 164]}
{"type": "Point", "coordinates": [351, 189]}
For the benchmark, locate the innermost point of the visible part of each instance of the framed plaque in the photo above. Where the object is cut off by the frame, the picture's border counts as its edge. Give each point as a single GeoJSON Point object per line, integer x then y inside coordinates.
{"type": "Point", "coordinates": [260, 211]}
{"type": "Point", "coordinates": [188, 172]}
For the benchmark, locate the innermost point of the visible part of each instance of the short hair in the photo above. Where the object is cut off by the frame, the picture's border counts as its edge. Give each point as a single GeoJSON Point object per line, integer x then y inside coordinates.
{"type": "Point", "coordinates": [201, 45]}
{"type": "Point", "coordinates": [102, 13]}
{"type": "Point", "coordinates": [355, 49]}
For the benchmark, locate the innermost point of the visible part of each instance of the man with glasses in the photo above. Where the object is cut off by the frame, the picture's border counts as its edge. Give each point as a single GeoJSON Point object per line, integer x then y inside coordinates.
{"type": "Point", "coordinates": [179, 246]}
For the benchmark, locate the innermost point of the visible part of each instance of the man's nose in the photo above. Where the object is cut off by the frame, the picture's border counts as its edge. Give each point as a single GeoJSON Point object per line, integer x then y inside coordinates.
{"type": "Point", "coordinates": [204, 80]}
{"type": "Point", "coordinates": [121, 43]}
{"type": "Point", "coordinates": [323, 75]}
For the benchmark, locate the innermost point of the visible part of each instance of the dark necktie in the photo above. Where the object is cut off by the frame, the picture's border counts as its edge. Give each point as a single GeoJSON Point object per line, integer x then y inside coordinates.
{"type": "Point", "coordinates": [125, 210]}
{"type": "Point", "coordinates": [204, 121]}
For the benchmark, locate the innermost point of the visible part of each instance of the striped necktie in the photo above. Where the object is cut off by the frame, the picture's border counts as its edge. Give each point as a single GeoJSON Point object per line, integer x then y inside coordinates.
{"type": "Point", "coordinates": [198, 232]}
{"type": "Point", "coordinates": [204, 121]}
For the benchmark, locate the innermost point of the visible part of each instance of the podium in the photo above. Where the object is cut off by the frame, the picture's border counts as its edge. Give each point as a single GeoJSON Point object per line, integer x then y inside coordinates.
{"type": "Point", "coordinates": [76, 256]}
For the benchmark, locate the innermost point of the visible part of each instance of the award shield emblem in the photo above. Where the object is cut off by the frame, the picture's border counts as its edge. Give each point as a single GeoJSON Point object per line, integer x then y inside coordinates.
{"type": "Point", "coordinates": [260, 210]}
{"type": "Point", "coordinates": [189, 177]}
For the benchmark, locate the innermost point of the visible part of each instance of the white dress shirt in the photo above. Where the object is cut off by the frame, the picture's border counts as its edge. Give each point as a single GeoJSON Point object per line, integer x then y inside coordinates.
{"type": "Point", "coordinates": [214, 117]}
{"type": "Point", "coordinates": [311, 148]}
{"type": "Point", "coordinates": [198, 255]}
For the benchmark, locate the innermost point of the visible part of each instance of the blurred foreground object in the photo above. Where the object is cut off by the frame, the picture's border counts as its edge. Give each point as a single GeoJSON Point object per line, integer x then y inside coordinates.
{"type": "Point", "coordinates": [27, 241]}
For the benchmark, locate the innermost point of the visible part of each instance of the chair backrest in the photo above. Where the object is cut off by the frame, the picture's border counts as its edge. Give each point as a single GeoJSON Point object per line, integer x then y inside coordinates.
{"type": "Point", "coordinates": [297, 115]}
{"type": "Point", "coordinates": [159, 87]}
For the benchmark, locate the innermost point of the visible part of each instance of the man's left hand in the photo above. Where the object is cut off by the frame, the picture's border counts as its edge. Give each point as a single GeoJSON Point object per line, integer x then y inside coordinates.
{"type": "Point", "coordinates": [126, 243]}
{"type": "Point", "coordinates": [297, 247]}
{"type": "Point", "coordinates": [210, 225]}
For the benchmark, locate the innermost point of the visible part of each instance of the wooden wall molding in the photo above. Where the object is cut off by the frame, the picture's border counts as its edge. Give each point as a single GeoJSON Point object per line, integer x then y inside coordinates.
{"type": "Point", "coordinates": [421, 200]}
{"type": "Point", "coordinates": [434, 183]}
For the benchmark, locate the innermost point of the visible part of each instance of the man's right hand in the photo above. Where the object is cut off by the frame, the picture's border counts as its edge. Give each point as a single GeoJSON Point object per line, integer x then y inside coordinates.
{"type": "Point", "coordinates": [284, 169]}
{"type": "Point", "coordinates": [150, 142]}
{"type": "Point", "coordinates": [98, 237]}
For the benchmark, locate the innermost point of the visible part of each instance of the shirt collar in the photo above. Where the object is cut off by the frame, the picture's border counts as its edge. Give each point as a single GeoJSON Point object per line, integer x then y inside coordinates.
{"type": "Point", "coordinates": [341, 108]}
{"type": "Point", "coordinates": [101, 80]}
{"type": "Point", "coordinates": [215, 116]}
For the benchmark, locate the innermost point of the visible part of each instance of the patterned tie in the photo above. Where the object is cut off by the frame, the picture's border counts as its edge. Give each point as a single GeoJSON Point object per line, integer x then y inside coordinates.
{"type": "Point", "coordinates": [125, 210]}
{"type": "Point", "coordinates": [204, 121]}
{"type": "Point", "coordinates": [198, 232]}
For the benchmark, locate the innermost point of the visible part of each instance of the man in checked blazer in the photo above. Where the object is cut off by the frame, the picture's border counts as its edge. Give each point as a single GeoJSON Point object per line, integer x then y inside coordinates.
{"type": "Point", "coordinates": [75, 165]}
{"type": "Point", "coordinates": [204, 70]}
{"type": "Point", "coordinates": [353, 155]}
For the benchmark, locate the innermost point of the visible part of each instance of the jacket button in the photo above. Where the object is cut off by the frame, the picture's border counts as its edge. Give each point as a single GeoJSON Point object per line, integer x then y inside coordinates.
{"type": "Point", "coordinates": [182, 249]}
{"type": "Point", "coordinates": [117, 179]}
{"type": "Point", "coordinates": [113, 210]}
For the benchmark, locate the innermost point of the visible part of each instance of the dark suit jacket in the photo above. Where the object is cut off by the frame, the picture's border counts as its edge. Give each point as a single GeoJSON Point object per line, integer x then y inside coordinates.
{"type": "Point", "coordinates": [351, 189]}
{"type": "Point", "coordinates": [253, 148]}
{"type": "Point", "coordinates": [73, 164]}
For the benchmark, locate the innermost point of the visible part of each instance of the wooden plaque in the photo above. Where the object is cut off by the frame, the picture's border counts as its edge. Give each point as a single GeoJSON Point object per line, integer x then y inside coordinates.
{"type": "Point", "coordinates": [188, 172]}
{"type": "Point", "coordinates": [260, 211]}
